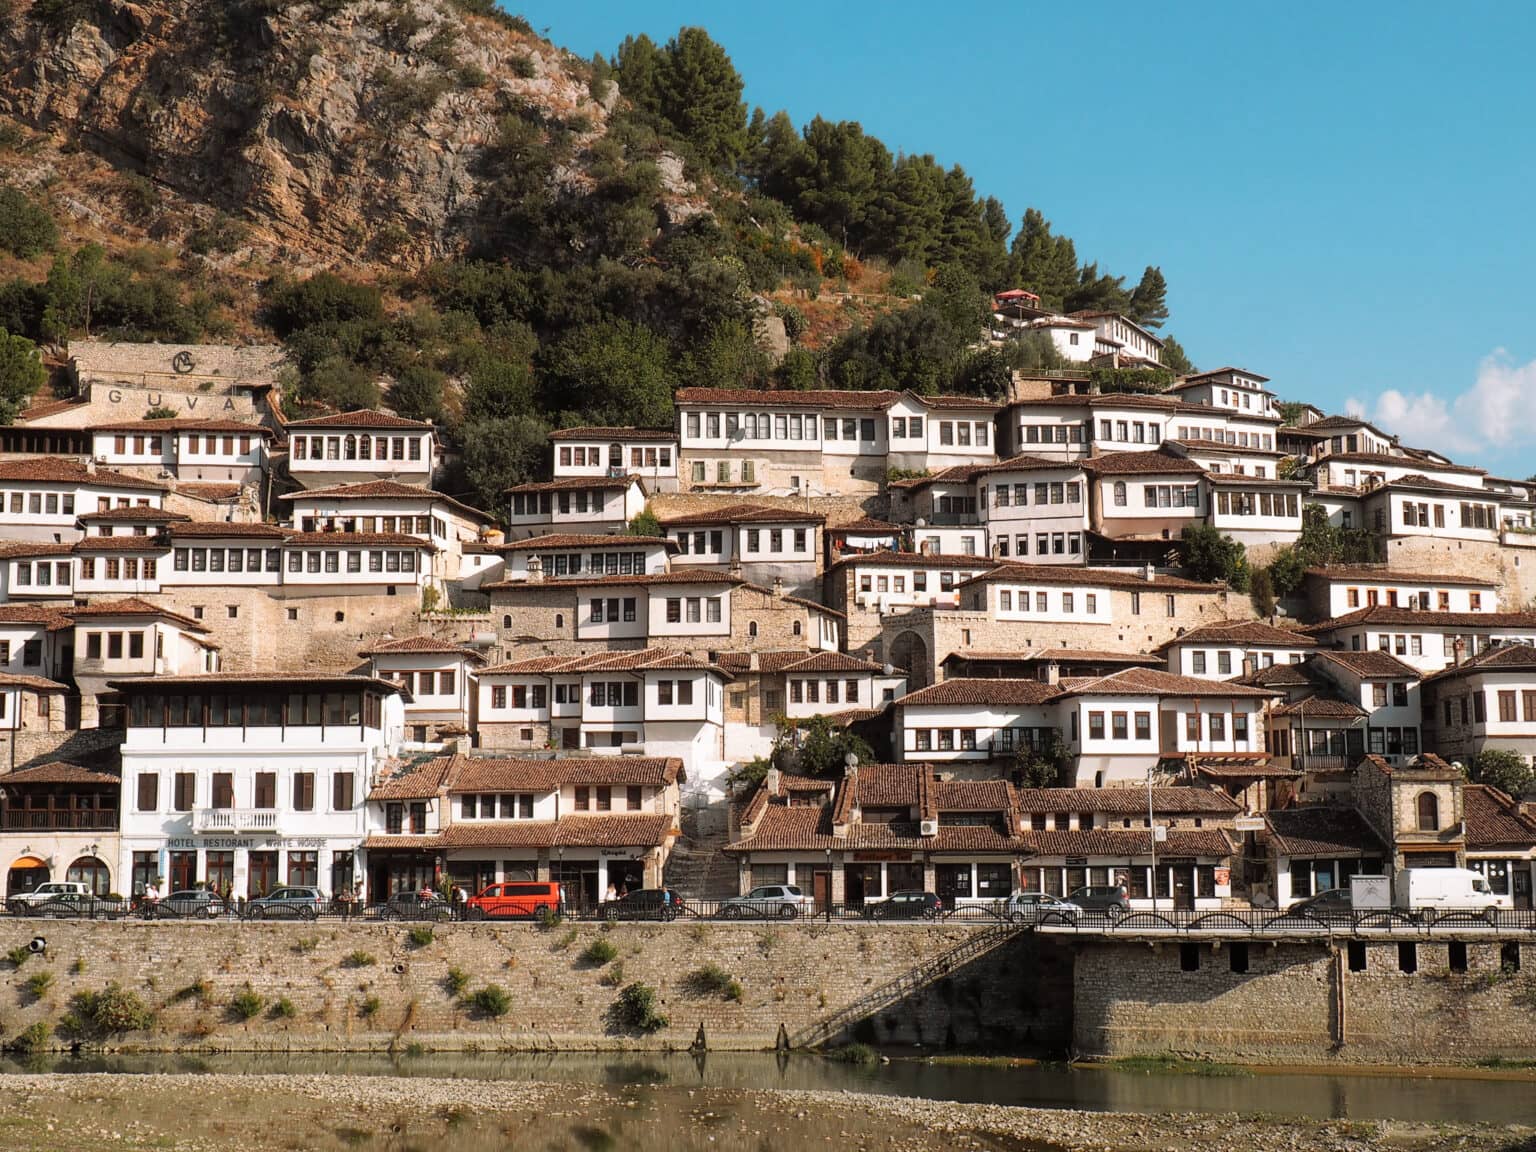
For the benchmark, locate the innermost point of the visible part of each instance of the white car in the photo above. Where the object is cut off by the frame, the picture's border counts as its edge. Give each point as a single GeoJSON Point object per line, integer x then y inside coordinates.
{"type": "Point", "coordinates": [63, 891]}
{"type": "Point", "coordinates": [1041, 908]}
{"type": "Point", "coordinates": [782, 900]}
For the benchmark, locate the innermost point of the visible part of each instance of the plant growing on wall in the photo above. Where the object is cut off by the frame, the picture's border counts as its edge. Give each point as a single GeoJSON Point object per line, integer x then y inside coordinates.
{"type": "Point", "coordinates": [635, 1010]}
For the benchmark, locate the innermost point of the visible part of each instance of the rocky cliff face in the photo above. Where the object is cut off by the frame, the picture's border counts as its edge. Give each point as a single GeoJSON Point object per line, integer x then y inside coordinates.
{"type": "Point", "coordinates": [344, 131]}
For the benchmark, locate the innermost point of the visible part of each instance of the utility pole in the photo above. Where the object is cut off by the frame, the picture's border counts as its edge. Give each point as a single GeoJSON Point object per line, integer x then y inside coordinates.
{"type": "Point", "coordinates": [1152, 834]}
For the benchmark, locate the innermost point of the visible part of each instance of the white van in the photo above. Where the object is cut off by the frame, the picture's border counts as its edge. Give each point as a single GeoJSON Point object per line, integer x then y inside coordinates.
{"type": "Point", "coordinates": [1445, 890]}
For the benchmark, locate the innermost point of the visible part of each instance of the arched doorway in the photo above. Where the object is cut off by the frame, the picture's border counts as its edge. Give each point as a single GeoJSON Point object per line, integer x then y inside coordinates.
{"type": "Point", "coordinates": [909, 652]}
{"type": "Point", "coordinates": [93, 873]}
{"type": "Point", "coordinates": [25, 874]}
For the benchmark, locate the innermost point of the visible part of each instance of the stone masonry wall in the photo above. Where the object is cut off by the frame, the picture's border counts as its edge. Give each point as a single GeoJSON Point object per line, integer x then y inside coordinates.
{"type": "Point", "coordinates": [333, 974]}
{"type": "Point", "coordinates": [1131, 999]}
{"type": "Point", "coordinates": [1513, 567]}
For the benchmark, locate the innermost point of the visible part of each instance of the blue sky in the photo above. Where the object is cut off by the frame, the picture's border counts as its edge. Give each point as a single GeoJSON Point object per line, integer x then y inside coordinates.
{"type": "Point", "coordinates": [1339, 194]}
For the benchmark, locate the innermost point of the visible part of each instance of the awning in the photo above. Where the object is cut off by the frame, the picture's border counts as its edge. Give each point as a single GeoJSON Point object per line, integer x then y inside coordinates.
{"type": "Point", "coordinates": [29, 862]}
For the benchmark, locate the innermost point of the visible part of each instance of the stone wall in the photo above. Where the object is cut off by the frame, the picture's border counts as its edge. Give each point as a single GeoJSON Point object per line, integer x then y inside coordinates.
{"type": "Point", "coordinates": [183, 367]}
{"type": "Point", "coordinates": [837, 509]}
{"type": "Point", "coordinates": [1301, 1003]}
{"type": "Point", "coordinates": [791, 975]}
{"type": "Point", "coordinates": [1513, 566]}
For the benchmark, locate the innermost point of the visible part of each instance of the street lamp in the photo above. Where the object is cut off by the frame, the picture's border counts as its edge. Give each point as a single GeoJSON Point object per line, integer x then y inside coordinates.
{"type": "Point", "coordinates": [1152, 838]}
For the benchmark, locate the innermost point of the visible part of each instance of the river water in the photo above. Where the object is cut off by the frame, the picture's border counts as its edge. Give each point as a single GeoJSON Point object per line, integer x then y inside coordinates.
{"type": "Point", "coordinates": [1305, 1095]}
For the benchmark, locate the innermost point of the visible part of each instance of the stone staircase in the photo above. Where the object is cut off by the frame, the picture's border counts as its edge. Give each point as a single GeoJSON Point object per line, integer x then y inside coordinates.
{"type": "Point", "coordinates": [697, 867]}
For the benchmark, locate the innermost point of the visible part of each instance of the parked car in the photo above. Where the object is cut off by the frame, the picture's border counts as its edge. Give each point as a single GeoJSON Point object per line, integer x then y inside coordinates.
{"type": "Point", "coordinates": [1111, 900]}
{"type": "Point", "coordinates": [193, 902]}
{"type": "Point", "coordinates": [1331, 907]}
{"type": "Point", "coordinates": [1041, 908]}
{"type": "Point", "coordinates": [642, 904]}
{"type": "Point", "coordinates": [516, 899]}
{"type": "Point", "coordinates": [782, 900]}
{"type": "Point", "coordinates": [292, 903]}
{"type": "Point", "coordinates": [53, 890]}
{"type": "Point", "coordinates": [416, 906]}
{"type": "Point", "coordinates": [905, 906]}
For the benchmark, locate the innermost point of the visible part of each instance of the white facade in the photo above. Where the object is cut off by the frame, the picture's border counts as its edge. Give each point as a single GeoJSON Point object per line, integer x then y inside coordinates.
{"type": "Point", "coordinates": [1035, 512]}
{"type": "Point", "coordinates": [576, 505]}
{"type": "Point", "coordinates": [610, 452]}
{"type": "Point", "coordinates": [353, 447]}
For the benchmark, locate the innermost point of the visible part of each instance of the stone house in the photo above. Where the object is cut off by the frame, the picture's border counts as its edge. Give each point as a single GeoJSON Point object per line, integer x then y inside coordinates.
{"type": "Point", "coordinates": [213, 451]}
{"type": "Point", "coordinates": [871, 588]}
{"type": "Point", "coordinates": [59, 821]}
{"type": "Point", "coordinates": [1416, 809]}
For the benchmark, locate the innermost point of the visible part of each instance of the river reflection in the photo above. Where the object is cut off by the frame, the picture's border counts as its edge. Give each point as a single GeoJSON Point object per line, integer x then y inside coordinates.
{"type": "Point", "coordinates": [1310, 1095]}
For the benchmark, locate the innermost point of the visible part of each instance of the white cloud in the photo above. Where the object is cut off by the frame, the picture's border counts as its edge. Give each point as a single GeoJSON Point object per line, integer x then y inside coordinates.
{"type": "Point", "coordinates": [1484, 418]}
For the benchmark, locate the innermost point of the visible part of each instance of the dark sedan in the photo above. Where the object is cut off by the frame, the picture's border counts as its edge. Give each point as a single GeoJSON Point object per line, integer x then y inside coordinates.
{"type": "Point", "coordinates": [642, 904]}
{"type": "Point", "coordinates": [905, 906]}
{"type": "Point", "coordinates": [1331, 907]}
{"type": "Point", "coordinates": [198, 903]}
{"type": "Point", "coordinates": [416, 906]}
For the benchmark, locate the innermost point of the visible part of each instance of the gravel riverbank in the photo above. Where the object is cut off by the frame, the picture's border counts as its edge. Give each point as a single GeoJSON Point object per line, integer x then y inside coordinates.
{"type": "Point", "coordinates": [54, 1113]}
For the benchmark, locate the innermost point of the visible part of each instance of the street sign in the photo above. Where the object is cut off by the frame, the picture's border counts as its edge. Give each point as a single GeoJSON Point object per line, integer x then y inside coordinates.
{"type": "Point", "coordinates": [1248, 824]}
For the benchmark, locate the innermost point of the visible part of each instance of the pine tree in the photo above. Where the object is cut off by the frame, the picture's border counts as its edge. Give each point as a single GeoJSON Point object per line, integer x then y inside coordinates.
{"type": "Point", "coordinates": [700, 92]}
{"type": "Point", "coordinates": [1149, 300]}
{"type": "Point", "coordinates": [1175, 359]}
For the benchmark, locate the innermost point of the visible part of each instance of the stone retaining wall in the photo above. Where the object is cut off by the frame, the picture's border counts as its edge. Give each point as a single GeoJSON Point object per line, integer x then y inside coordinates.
{"type": "Point", "coordinates": [791, 975]}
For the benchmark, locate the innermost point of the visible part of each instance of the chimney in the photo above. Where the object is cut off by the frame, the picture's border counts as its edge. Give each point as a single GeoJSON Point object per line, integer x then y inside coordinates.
{"type": "Point", "coordinates": [754, 663]}
{"type": "Point", "coordinates": [1053, 673]}
{"type": "Point", "coordinates": [535, 569]}
{"type": "Point", "coordinates": [1250, 664]}
{"type": "Point", "coordinates": [774, 780]}
{"type": "Point", "coordinates": [778, 587]}
{"type": "Point", "coordinates": [90, 465]}
{"type": "Point", "coordinates": [1147, 574]}
{"type": "Point", "coordinates": [1458, 652]}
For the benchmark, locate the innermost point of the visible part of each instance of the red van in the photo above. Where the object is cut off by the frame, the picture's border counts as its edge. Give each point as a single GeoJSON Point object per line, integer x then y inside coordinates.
{"type": "Point", "coordinates": [516, 899]}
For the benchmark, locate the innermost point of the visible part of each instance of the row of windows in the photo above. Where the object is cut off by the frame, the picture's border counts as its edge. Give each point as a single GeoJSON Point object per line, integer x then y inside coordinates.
{"type": "Point", "coordinates": [31, 654]}
{"type": "Point", "coordinates": [210, 445]}
{"type": "Point", "coordinates": [316, 560]}
{"type": "Point", "coordinates": [699, 472]}
{"type": "Point", "coordinates": [435, 682]}
{"type": "Point", "coordinates": [1160, 495]}
{"type": "Point", "coordinates": [356, 447]}
{"type": "Point", "coordinates": [253, 709]}
{"type": "Point", "coordinates": [1418, 600]}
{"type": "Point", "coordinates": [512, 806]}
{"type": "Point", "coordinates": [1258, 504]}
{"type": "Point", "coordinates": [1131, 431]}
{"type": "Point", "coordinates": [1508, 713]}
{"type": "Point", "coordinates": [690, 608]}
{"type": "Point", "coordinates": [1262, 441]}
{"type": "Point", "coordinates": [612, 610]}
{"type": "Point", "coordinates": [1198, 663]}
{"type": "Point", "coordinates": [524, 696]}
{"type": "Point", "coordinates": [45, 574]}
{"type": "Point", "coordinates": [1049, 492]}
{"type": "Point", "coordinates": [221, 791]}
{"type": "Point", "coordinates": [406, 525]}
{"type": "Point", "coordinates": [944, 739]}
{"type": "Point", "coordinates": [1051, 434]}
{"type": "Point", "coordinates": [51, 503]}
{"type": "Point", "coordinates": [1399, 694]}
{"type": "Point", "coordinates": [878, 583]}
{"type": "Point", "coordinates": [1215, 725]}
{"type": "Point", "coordinates": [584, 456]}
{"type": "Point", "coordinates": [596, 563]}
{"type": "Point", "coordinates": [599, 798]}
{"type": "Point", "coordinates": [674, 692]}
{"type": "Point", "coordinates": [1057, 880]}
{"type": "Point", "coordinates": [806, 691]}
{"type": "Point", "coordinates": [115, 643]}
{"type": "Point", "coordinates": [1046, 544]}
{"type": "Point", "coordinates": [1042, 601]}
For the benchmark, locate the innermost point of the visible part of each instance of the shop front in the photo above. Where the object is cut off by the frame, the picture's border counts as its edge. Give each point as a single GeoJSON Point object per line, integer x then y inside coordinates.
{"type": "Point", "coordinates": [243, 867]}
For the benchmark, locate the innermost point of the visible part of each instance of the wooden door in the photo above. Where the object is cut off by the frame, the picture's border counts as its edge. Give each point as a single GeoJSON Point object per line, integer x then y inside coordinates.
{"type": "Point", "coordinates": [1184, 887]}
{"type": "Point", "coordinates": [821, 891]}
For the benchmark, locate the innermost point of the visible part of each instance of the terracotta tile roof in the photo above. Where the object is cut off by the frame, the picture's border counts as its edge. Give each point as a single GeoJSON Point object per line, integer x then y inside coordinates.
{"type": "Point", "coordinates": [1369, 662]}
{"type": "Point", "coordinates": [19, 549]}
{"type": "Point", "coordinates": [865, 524]}
{"type": "Point", "coordinates": [423, 644]}
{"type": "Point", "coordinates": [1196, 445]}
{"type": "Point", "coordinates": [384, 843]}
{"type": "Point", "coordinates": [315, 681]}
{"type": "Point", "coordinates": [1416, 482]}
{"type": "Point", "coordinates": [158, 542]}
{"type": "Point", "coordinates": [1028, 463]}
{"type": "Point", "coordinates": [1129, 842]}
{"type": "Point", "coordinates": [988, 691]}
{"type": "Point", "coordinates": [58, 470]}
{"type": "Point", "coordinates": [951, 402]}
{"type": "Point", "coordinates": [685, 576]}
{"type": "Point", "coordinates": [623, 830]}
{"type": "Point", "coordinates": [365, 418]}
{"type": "Point", "coordinates": [220, 529]}
{"type": "Point", "coordinates": [1248, 632]}
{"type": "Point", "coordinates": [769, 662]}
{"type": "Point", "coordinates": [1127, 801]}
{"type": "Point", "coordinates": [1384, 614]}
{"type": "Point", "coordinates": [1493, 819]}
{"type": "Point", "coordinates": [851, 716]}
{"type": "Point", "coordinates": [915, 560]}
{"type": "Point", "coordinates": [1228, 480]}
{"type": "Point", "coordinates": [832, 662]}
{"type": "Point", "coordinates": [46, 616]}
{"type": "Point", "coordinates": [181, 425]}
{"type": "Point", "coordinates": [744, 514]}
{"type": "Point", "coordinates": [970, 796]}
{"type": "Point", "coordinates": [502, 834]}
{"type": "Point", "coordinates": [418, 782]}
{"type": "Point", "coordinates": [1054, 655]}
{"type": "Point", "coordinates": [134, 606]}
{"type": "Point", "coordinates": [758, 398]}
{"type": "Point", "coordinates": [1401, 461]}
{"type": "Point", "coordinates": [1138, 463]}
{"type": "Point", "coordinates": [1131, 580]}
{"type": "Point", "coordinates": [632, 660]}
{"type": "Point", "coordinates": [812, 605]}
{"type": "Point", "coordinates": [1283, 675]}
{"type": "Point", "coordinates": [366, 490]}
{"type": "Point", "coordinates": [1504, 658]}
{"type": "Point", "coordinates": [1320, 708]}
{"type": "Point", "coordinates": [568, 483]}
{"type": "Point", "coordinates": [58, 772]}
{"type": "Point", "coordinates": [356, 539]}
{"type": "Point", "coordinates": [1384, 575]}
{"type": "Point", "coordinates": [955, 474]}
{"type": "Point", "coordinates": [31, 683]}
{"type": "Point", "coordinates": [1315, 830]}
{"type": "Point", "coordinates": [1223, 370]}
{"type": "Point", "coordinates": [213, 493]}
{"type": "Point", "coordinates": [40, 408]}
{"type": "Point", "coordinates": [587, 540]}
{"type": "Point", "coordinates": [613, 432]}
{"type": "Point", "coordinates": [131, 515]}
{"type": "Point", "coordinates": [1151, 682]}
{"type": "Point", "coordinates": [1108, 400]}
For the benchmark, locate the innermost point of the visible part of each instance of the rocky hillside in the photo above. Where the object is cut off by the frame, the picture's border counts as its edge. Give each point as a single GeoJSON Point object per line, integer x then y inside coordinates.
{"type": "Point", "coordinates": [333, 132]}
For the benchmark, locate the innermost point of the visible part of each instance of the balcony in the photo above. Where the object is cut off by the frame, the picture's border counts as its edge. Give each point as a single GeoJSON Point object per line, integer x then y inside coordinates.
{"type": "Point", "coordinates": [59, 820]}
{"type": "Point", "coordinates": [234, 820]}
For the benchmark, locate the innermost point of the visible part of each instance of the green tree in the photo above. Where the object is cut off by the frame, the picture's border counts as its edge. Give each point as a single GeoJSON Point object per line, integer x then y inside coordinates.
{"type": "Point", "coordinates": [840, 179]}
{"type": "Point", "coordinates": [323, 298]}
{"type": "Point", "coordinates": [725, 355]}
{"type": "Point", "coordinates": [417, 393]}
{"type": "Point", "coordinates": [1290, 410]}
{"type": "Point", "coordinates": [1286, 571]}
{"type": "Point", "coordinates": [1210, 556]}
{"type": "Point", "coordinates": [700, 92]}
{"type": "Point", "coordinates": [611, 372]}
{"type": "Point", "coordinates": [26, 228]}
{"type": "Point", "coordinates": [500, 453]}
{"type": "Point", "coordinates": [1033, 352]}
{"type": "Point", "coordinates": [814, 746]}
{"type": "Point", "coordinates": [342, 385]}
{"type": "Point", "coordinates": [21, 374]}
{"type": "Point", "coordinates": [1505, 770]}
{"type": "Point", "coordinates": [985, 372]}
{"type": "Point", "coordinates": [1097, 291]}
{"type": "Point", "coordinates": [1043, 263]}
{"type": "Point", "coordinates": [639, 65]}
{"type": "Point", "coordinates": [799, 369]}
{"type": "Point", "coordinates": [1149, 299]}
{"type": "Point", "coordinates": [1175, 359]}
{"type": "Point", "coordinates": [1261, 590]}
{"type": "Point", "coordinates": [645, 523]}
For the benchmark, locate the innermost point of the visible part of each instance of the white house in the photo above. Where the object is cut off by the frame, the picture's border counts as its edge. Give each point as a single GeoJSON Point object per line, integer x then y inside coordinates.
{"type": "Point", "coordinates": [1487, 701]}
{"type": "Point", "coordinates": [581, 504]}
{"type": "Point", "coordinates": [575, 554]}
{"type": "Point", "coordinates": [197, 450]}
{"type": "Point", "coordinates": [765, 543]}
{"type": "Point", "coordinates": [1122, 338]}
{"type": "Point", "coordinates": [1145, 496]}
{"type": "Point", "coordinates": [247, 782]}
{"type": "Point", "coordinates": [1236, 389]}
{"type": "Point", "coordinates": [981, 720]}
{"type": "Point", "coordinates": [350, 447]}
{"type": "Point", "coordinates": [132, 637]}
{"type": "Point", "coordinates": [1340, 589]}
{"type": "Point", "coordinates": [437, 680]}
{"type": "Point", "coordinates": [1222, 651]}
{"type": "Point", "coordinates": [1387, 689]}
{"type": "Point", "coordinates": [649, 453]}
{"type": "Point", "coordinates": [1427, 641]}
{"type": "Point", "coordinates": [42, 498]}
{"type": "Point", "coordinates": [1035, 510]}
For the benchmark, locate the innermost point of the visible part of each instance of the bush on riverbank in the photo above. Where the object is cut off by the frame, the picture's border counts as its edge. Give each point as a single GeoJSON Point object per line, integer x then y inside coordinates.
{"type": "Point", "coordinates": [853, 1054]}
{"type": "Point", "coordinates": [635, 1010]}
{"type": "Point", "coordinates": [713, 980]}
{"type": "Point", "coordinates": [93, 1015]}
{"type": "Point", "coordinates": [493, 1000]}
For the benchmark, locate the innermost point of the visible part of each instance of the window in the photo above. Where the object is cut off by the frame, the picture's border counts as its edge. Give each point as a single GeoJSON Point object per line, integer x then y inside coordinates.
{"type": "Point", "coordinates": [1428, 806]}
{"type": "Point", "coordinates": [1118, 726]}
{"type": "Point", "coordinates": [1143, 725]}
{"type": "Point", "coordinates": [1096, 725]}
{"type": "Point", "coordinates": [303, 791]}
{"type": "Point", "coordinates": [1197, 663]}
{"type": "Point", "coordinates": [149, 792]}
